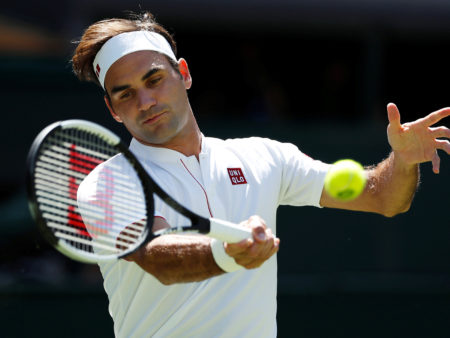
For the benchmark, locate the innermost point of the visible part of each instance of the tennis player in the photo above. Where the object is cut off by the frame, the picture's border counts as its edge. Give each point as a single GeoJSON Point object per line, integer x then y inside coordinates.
{"type": "Point", "coordinates": [192, 286]}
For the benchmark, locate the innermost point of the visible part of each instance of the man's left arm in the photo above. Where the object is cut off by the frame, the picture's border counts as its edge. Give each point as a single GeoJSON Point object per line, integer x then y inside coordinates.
{"type": "Point", "coordinates": [392, 183]}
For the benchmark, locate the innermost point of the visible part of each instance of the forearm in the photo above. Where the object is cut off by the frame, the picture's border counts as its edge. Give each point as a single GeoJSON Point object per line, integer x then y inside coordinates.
{"type": "Point", "coordinates": [177, 259]}
{"type": "Point", "coordinates": [389, 190]}
{"type": "Point", "coordinates": [391, 185]}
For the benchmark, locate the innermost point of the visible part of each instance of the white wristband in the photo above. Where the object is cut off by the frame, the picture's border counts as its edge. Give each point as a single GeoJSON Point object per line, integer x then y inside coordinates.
{"type": "Point", "coordinates": [225, 262]}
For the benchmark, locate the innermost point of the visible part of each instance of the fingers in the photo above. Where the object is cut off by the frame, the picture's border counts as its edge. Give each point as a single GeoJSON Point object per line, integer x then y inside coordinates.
{"type": "Point", "coordinates": [259, 253]}
{"type": "Point", "coordinates": [238, 248]}
{"type": "Point", "coordinates": [440, 132]}
{"type": "Point", "coordinates": [429, 120]}
{"type": "Point", "coordinates": [443, 145]}
{"type": "Point", "coordinates": [259, 228]}
{"type": "Point", "coordinates": [417, 142]}
{"type": "Point", "coordinates": [252, 253]}
{"type": "Point", "coordinates": [393, 115]}
{"type": "Point", "coordinates": [436, 116]}
{"type": "Point", "coordinates": [436, 162]}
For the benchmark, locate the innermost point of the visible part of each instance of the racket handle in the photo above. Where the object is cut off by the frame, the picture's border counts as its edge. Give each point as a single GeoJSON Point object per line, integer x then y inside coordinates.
{"type": "Point", "coordinates": [227, 231]}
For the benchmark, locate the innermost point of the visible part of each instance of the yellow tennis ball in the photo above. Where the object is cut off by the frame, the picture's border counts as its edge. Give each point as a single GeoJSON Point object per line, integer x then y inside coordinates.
{"type": "Point", "coordinates": [345, 180]}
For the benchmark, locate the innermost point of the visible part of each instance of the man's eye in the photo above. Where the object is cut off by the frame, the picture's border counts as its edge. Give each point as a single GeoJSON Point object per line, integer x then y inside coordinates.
{"type": "Point", "coordinates": [125, 95]}
{"type": "Point", "coordinates": [155, 80]}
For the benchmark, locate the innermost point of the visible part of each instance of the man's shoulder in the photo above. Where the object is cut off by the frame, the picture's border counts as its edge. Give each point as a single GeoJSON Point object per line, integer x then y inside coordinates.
{"type": "Point", "coordinates": [251, 149]}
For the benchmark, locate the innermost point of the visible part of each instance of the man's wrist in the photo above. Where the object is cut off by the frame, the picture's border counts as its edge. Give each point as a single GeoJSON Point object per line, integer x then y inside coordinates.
{"type": "Point", "coordinates": [401, 164]}
{"type": "Point", "coordinates": [222, 259]}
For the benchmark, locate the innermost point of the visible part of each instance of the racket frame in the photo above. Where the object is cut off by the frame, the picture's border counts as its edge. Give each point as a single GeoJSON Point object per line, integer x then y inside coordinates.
{"type": "Point", "coordinates": [110, 138]}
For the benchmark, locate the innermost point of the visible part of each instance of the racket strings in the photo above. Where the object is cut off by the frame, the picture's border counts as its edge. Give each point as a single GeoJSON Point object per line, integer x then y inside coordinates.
{"type": "Point", "coordinates": [110, 223]}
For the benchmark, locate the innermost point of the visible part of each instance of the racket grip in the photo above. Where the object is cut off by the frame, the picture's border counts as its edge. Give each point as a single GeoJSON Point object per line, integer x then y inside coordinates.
{"type": "Point", "coordinates": [228, 232]}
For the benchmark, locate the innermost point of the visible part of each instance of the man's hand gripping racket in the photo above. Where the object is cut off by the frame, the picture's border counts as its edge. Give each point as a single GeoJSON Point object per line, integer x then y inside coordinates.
{"type": "Point", "coordinates": [93, 200]}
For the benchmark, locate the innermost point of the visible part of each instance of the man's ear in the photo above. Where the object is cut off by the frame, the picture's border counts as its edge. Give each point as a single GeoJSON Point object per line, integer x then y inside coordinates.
{"type": "Point", "coordinates": [111, 110]}
{"type": "Point", "coordinates": [184, 70]}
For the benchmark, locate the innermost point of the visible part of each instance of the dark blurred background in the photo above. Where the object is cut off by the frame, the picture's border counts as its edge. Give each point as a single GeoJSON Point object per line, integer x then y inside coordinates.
{"type": "Point", "coordinates": [315, 73]}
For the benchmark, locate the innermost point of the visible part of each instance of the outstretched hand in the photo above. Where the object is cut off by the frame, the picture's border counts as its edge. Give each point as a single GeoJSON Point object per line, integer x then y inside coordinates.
{"type": "Point", "coordinates": [418, 142]}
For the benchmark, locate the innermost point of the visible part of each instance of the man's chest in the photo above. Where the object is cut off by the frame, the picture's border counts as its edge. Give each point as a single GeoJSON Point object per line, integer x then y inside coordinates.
{"type": "Point", "coordinates": [225, 187]}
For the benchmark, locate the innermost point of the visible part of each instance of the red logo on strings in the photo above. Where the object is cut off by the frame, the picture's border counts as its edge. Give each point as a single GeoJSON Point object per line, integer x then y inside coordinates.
{"type": "Point", "coordinates": [82, 164]}
{"type": "Point", "coordinates": [236, 176]}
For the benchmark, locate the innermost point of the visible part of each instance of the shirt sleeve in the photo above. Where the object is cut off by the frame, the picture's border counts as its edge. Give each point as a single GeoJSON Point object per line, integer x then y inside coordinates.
{"type": "Point", "coordinates": [302, 177]}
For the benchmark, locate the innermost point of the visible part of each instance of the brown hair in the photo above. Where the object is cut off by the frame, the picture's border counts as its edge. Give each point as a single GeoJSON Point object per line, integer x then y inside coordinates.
{"type": "Point", "coordinates": [98, 33]}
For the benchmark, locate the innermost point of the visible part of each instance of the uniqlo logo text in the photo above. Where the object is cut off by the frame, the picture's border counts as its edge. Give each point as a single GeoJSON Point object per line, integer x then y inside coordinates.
{"type": "Point", "coordinates": [236, 176]}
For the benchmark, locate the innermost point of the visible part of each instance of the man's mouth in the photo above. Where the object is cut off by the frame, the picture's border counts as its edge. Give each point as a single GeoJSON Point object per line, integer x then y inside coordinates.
{"type": "Point", "coordinates": [154, 118]}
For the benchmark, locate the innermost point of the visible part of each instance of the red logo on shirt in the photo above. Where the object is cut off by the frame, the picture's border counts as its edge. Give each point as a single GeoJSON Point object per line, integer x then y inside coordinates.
{"type": "Point", "coordinates": [236, 176]}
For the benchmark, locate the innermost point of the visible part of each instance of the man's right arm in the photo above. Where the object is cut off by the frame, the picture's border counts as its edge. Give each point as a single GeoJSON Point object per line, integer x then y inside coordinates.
{"type": "Point", "coordinates": [188, 258]}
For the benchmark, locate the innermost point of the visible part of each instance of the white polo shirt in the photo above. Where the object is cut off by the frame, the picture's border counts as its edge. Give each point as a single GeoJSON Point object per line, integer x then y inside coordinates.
{"type": "Point", "coordinates": [233, 180]}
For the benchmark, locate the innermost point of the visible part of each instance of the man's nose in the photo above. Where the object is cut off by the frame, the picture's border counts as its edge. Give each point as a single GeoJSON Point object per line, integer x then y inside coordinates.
{"type": "Point", "coordinates": [146, 99]}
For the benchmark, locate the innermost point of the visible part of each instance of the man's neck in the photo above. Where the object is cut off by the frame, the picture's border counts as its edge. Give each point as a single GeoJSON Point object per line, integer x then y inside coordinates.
{"type": "Point", "coordinates": [188, 144]}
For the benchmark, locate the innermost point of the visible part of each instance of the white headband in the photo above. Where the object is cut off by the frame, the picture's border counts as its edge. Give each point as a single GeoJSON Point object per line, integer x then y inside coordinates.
{"type": "Point", "coordinates": [127, 43]}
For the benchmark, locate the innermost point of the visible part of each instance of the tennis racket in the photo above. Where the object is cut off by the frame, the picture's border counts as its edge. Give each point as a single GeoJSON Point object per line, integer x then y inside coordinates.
{"type": "Point", "coordinates": [93, 200]}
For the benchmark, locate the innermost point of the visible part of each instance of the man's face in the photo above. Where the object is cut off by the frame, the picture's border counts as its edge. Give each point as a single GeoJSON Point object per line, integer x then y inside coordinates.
{"type": "Point", "coordinates": [149, 97]}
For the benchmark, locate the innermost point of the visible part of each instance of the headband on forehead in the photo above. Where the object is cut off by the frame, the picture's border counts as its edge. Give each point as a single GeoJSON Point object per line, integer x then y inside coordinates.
{"type": "Point", "coordinates": [127, 43]}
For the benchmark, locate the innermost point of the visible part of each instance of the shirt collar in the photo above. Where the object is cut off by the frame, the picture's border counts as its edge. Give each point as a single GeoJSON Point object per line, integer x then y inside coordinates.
{"type": "Point", "coordinates": [162, 155]}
